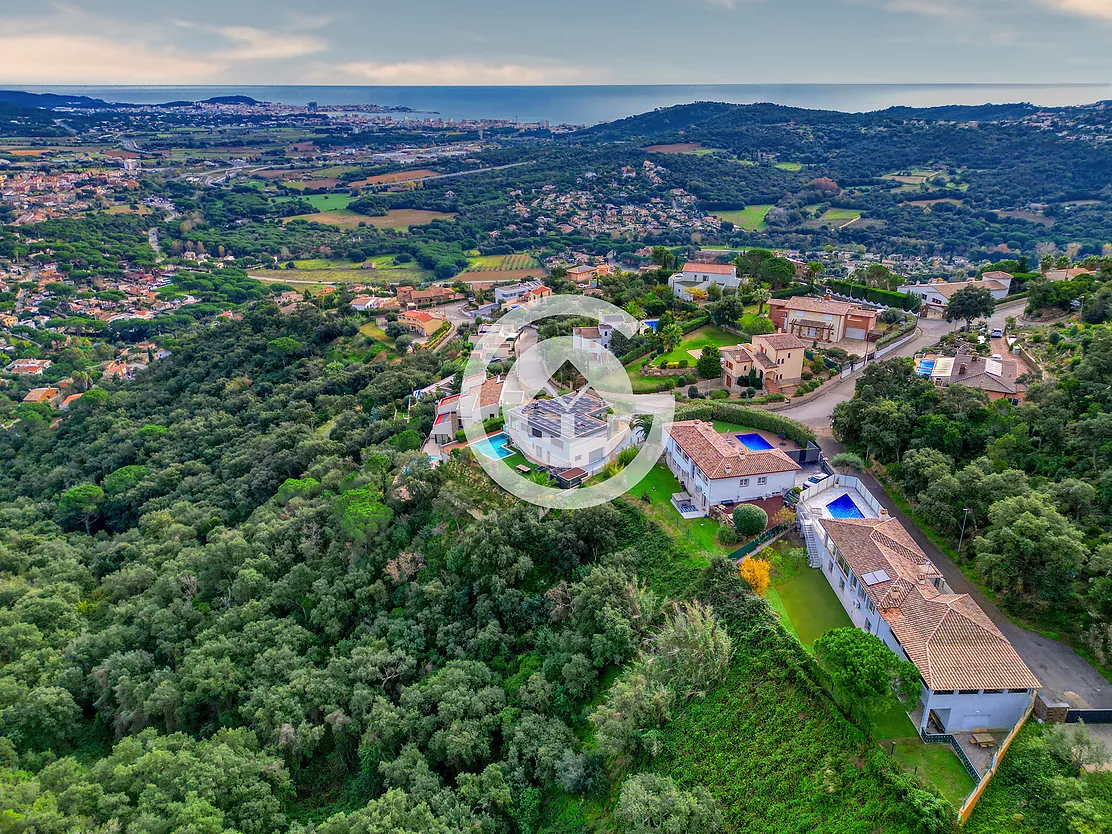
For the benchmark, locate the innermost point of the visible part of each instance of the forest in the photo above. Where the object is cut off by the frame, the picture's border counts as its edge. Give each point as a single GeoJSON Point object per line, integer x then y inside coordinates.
{"type": "Point", "coordinates": [236, 598]}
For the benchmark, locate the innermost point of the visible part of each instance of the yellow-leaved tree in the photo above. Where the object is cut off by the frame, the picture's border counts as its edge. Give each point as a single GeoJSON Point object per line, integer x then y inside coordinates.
{"type": "Point", "coordinates": [755, 573]}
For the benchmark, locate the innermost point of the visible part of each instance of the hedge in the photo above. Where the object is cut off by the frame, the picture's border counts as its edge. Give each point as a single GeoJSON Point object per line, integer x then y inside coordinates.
{"type": "Point", "coordinates": [792, 291]}
{"type": "Point", "coordinates": [694, 324]}
{"type": "Point", "coordinates": [903, 300]}
{"type": "Point", "coordinates": [897, 334]}
{"type": "Point", "coordinates": [752, 417]}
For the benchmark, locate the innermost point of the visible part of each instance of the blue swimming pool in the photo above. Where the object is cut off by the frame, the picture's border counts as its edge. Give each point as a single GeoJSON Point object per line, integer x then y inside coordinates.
{"type": "Point", "coordinates": [843, 507]}
{"type": "Point", "coordinates": [494, 446]}
{"type": "Point", "coordinates": [754, 442]}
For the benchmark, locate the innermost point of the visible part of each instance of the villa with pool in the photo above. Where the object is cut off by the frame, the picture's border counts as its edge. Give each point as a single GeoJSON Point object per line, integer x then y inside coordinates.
{"type": "Point", "coordinates": [972, 680]}
{"type": "Point", "coordinates": [725, 468]}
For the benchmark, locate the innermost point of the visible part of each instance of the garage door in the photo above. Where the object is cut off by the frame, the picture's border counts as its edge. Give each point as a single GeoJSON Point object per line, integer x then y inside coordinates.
{"type": "Point", "coordinates": [855, 333]}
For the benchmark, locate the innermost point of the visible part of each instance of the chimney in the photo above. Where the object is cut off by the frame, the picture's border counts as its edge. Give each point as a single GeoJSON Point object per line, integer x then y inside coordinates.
{"type": "Point", "coordinates": [828, 297]}
{"type": "Point", "coordinates": [884, 513]}
{"type": "Point", "coordinates": [962, 369]}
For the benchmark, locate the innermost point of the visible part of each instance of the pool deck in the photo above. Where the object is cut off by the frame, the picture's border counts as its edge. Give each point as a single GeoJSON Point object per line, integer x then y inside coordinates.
{"type": "Point", "coordinates": [816, 499]}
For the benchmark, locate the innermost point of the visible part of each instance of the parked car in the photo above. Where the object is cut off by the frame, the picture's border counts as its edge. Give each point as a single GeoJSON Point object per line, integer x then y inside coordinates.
{"type": "Point", "coordinates": [997, 333]}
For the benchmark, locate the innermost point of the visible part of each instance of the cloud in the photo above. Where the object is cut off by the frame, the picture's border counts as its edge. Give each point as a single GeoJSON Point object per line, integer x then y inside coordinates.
{"type": "Point", "coordinates": [249, 43]}
{"type": "Point", "coordinates": [1083, 8]}
{"type": "Point", "coordinates": [450, 72]}
{"type": "Point", "coordinates": [60, 58]}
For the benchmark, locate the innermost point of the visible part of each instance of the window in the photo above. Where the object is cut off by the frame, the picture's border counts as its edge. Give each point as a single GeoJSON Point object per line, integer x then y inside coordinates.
{"type": "Point", "coordinates": [534, 432]}
{"type": "Point", "coordinates": [868, 627]}
{"type": "Point", "coordinates": [944, 692]}
{"type": "Point", "coordinates": [1017, 691]}
{"type": "Point", "coordinates": [969, 691]}
{"type": "Point", "coordinates": [992, 691]}
{"type": "Point", "coordinates": [841, 584]}
{"type": "Point", "coordinates": [869, 605]}
{"type": "Point", "coordinates": [762, 480]}
{"type": "Point", "coordinates": [744, 482]}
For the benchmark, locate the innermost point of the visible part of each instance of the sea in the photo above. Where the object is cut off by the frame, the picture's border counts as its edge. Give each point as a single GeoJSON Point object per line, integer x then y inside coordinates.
{"type": "Point", "coordinates": [586, 105]}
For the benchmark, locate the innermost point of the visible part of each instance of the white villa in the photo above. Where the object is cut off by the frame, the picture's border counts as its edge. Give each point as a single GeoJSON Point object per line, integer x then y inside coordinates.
{"type": "Point", "coordinates": [447, 421]}
{"type": "Point", "coordinates": [715, 468]}
{"type": "Point", "coordinates": [697, 276]}
{"type": "Point", "coordinates": [573, 431]}
{"type": "Point", "coordinates": [514, 292]}
{"type": "Point", "coordinates": [972, 679]}
{"type": "Point", "coordinates": [937, 294]}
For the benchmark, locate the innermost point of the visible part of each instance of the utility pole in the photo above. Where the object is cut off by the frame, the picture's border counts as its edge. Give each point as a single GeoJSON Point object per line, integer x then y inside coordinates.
{"type": "Point", "coordinates": [961, 538]}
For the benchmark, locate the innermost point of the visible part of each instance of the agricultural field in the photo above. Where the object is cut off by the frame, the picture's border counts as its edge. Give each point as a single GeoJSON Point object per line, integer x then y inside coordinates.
{"type": "Point", "coordinates": [751, 218]}
{"type": "Point", "coordinates": [498, 263]}
{"type": "Point", "coordinates": [395, 177]}
{"type": "Point", "coordinates": [679, 147]}
{"type": "Point", "coordinates": [393, 219]}
{"type": "Point", "coordinates": [837, 217]}
{"type": "Point", "coordinates": [790, 166]}
{"type": "Point", "coordinates": [322, 182]}
{"type": "Point", "coordinates": [140, 210]}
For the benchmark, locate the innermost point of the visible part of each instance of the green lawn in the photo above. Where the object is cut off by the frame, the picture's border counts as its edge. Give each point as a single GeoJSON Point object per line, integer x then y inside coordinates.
{"type": "Point", "coordinates": [811, 605]}
{"type": "Point", "coordinates": [750, 217]}
{"type": "Point", "coordinates": [839, 215]}
{"type": "Point", "coordinates": [790, 166]}
{"type": "Point", "coordinates": [697, 340]}
{"type": "Point", "coordinates": [697, 535]}
{"type": "Point", "coordinates": [937, 764]}
{"type": "Point", "coordinates": [324, 202]}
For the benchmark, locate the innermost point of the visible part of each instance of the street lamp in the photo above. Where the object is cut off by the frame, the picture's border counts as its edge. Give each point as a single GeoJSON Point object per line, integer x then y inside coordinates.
{"type": "Point", "coordinates": [964, 518]}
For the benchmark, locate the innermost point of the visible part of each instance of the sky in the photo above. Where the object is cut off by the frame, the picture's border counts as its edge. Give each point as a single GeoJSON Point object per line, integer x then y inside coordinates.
{"type": "Point", "coordinates": [450, 42]}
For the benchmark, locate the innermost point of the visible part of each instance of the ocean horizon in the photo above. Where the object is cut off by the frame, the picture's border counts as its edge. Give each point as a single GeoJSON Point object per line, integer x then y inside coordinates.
{"type": "Point", "coordinates": [591, 104]}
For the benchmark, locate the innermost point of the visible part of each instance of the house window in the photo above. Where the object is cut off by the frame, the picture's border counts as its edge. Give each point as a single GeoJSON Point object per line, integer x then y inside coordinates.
{"type": "Point", "coordinates": [1017, 691]}
{"type": "Point", "coordinates": [968, 691]}
{"type": "Point", "coordinates": [841, 584]}
{"type": "Point", "coordinates": [868, 627]}
{"type": "Point", "coordinates": [993, 691]}
{"type": "Point", "coordinates": [535, 433]}
{"type": "Point", "coordinates": [944, 692]}
{"type": "Point", "coordinates": [869, 605]}
{"type": "Point", "coordinates": [762, 480]}
{"type": "Point", "coordinates": [744, 482]}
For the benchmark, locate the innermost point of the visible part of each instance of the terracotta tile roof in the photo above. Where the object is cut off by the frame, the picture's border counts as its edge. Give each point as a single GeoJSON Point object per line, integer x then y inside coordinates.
{"type": "Point", "coordinates": [947, 290]}
{"type": "Point", "coordinates": [737, 353]}
{"type": "Point", "coordinates": [781, 341]}
{"type": "Point", "coordinates": [815, 305]}
{"type": "Point", "coordinates": [710, 269]}
{"type": "Point", "coordinates": [587, 332]}
{"type": "Point", "coordinates": [718, 458]}
{"type": "Point", "coordinates": [951, 641]}
{"type": "Point", "coordinates": [764, 360]}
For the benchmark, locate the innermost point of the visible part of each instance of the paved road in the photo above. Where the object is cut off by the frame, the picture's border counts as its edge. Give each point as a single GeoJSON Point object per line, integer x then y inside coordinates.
{"type": "Point", "coordinates": [816, 413]}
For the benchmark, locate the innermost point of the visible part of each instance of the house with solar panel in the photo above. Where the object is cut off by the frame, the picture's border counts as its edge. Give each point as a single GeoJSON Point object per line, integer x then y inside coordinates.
{"type": "Point", "coordinates": [576, 431]}
{"type": "Point", "coordinates": [972, 679]}
{"type": "Point", "coordinates": [997, 376]}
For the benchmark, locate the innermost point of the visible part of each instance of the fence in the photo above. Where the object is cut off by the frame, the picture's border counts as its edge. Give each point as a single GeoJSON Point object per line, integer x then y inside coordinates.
{"type": "Point", "coordinates": [982, 783]}
{"type": "Point", "coordinates": [946, 738]}
{"type": "Point", "coordinates": [760, 541]}
{"type": "Point", "coordinates": [877, 354]}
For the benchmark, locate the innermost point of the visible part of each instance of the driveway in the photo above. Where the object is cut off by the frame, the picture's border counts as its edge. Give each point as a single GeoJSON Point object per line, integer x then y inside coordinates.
{"type": "Point", "coordinates": [1065, 675]}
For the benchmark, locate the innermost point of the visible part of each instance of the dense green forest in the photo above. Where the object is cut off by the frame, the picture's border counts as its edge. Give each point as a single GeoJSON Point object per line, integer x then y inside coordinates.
{"type": "Point", "coordinates": [236, 598]}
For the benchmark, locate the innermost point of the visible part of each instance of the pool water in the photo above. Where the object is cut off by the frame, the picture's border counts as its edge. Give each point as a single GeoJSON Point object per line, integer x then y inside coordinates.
{"type": "Point", "coordinates": [494, 446]}
{"type": "Point", "coordinates": [843, 507]}
{"type": "Point", "coordinates": [754, 442]}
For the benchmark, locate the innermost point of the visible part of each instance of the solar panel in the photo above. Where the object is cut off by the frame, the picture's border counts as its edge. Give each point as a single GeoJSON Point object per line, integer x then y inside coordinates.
{"type": "Point", "coordinates": [943, 367]}
{"type": "Point", "coordinates": [876, 577]}
{"type": "Point", "coordinates": [994, 367]}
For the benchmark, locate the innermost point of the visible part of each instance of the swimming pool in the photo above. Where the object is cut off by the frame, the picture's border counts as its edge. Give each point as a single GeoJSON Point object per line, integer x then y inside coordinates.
{"type": "Point", "coordinates": [753, 442]}
{"type": "Point", "coordinates": [843, 507]}
{"type": "Point", "coordinates": [494, 446]}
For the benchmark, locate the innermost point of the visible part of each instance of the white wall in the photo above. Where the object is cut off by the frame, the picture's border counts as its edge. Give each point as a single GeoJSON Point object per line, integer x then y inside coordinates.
{"type": "Point", "coordinates": [977, 711]}
{"type": "Point", "coordinates": [711, 491]}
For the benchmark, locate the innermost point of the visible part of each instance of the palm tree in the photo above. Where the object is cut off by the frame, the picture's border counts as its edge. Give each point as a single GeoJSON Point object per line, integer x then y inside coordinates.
{"type": "Point", "coordinates": [762, 295]}
{"type": "Point", "coordinates": [642, 423]}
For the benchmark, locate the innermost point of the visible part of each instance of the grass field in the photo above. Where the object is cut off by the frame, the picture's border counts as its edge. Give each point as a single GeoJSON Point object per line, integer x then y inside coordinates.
{"type": "Point", "coordinates": [141, 210]}
{"type": "Point", "coordinates": [324, 202]}
{"type": "Point", "coordinates": [810, 604]}
{"type": "Point", "coordinates": [375, 332]}
{"type": "Point", "coordinates": [790, 166]}
{"type": "Point", "coordinates": [839, 216]}
{"type": "Point", "coordinates": [750, 217]}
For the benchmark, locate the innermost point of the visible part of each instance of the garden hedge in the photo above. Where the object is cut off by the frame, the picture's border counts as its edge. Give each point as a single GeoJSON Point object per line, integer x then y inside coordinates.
{"type": "Point", "coordinates": [752, 417]}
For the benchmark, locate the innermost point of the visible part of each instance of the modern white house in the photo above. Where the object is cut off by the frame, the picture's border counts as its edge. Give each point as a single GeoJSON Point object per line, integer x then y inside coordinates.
{"type": "Point", "coordinates": [514, 292]}
{"type": "Point", "coordinates": [574, 430]}
{"type": "Point", "coordinates": [716, 468]}
{"type": "Point", "coordinates": [972, 679]}
{"type": "Point", "coordinates": [699, 277]}
{"type": "Point", "coordinates": [937, 294]}
{"type": "Point", "coordinates": [489, 404]}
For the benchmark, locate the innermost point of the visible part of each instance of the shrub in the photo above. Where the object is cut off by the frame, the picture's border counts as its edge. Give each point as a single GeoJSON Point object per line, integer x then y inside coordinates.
{"type": "Point", "coordinates": [756, 573]}
{"type": "Point", "coordinates": [727, 535]}
{"type": "Point", "coordinates": [749, 520]}
{"type": "Point", "coordinates": [693, 393]}
{"type": "Point", "coordinates": [806, 375]}
{"type": "Point", "coordinates": [848, 460]}
{"type": "Point", "coordinates": [719, 394]}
